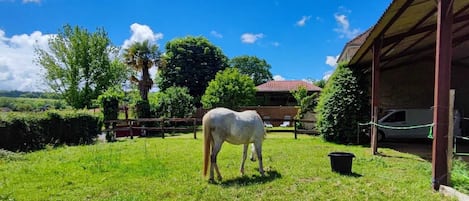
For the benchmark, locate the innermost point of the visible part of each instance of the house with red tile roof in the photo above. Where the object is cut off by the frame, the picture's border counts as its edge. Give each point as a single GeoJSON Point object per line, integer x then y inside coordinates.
{"type": "Point", "coordinates": [278, 93]}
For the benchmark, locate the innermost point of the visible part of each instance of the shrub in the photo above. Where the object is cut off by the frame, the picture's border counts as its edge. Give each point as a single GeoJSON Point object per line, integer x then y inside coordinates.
{"type": "Point", "coordinates": [143, 109]}
{"type": "Point", "coordinates": [33, 131]}
{"type": "Point", "coordinates": [229, 89]}
{"type": "Point", "coordinates": [174, 102]}
{"type": "Point", "coordinates": [342, 104]}
{"type": "Point", "coordinates": [109, 102]}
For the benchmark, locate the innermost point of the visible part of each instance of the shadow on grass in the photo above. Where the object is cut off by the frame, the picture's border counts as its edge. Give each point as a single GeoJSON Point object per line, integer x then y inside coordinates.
{"type": "Point", "coordinates": [255, 179]}
{"type": "Point", "coordinates": [353, 174]}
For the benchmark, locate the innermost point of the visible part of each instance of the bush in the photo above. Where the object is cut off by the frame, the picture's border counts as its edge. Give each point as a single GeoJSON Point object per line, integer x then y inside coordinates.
{"type": "Point", "coordinates": [33, 131]}
{"type": "Point", "coordinates": [109, 102]}
{"type": "Point", "coordinates": [174, 102]}
{"type": "Point", "coordinates": [143, 109]}
{"type": "Point", "coordinates": [229, 89]}
{"type": "Point", "coordinates": [342, 104]}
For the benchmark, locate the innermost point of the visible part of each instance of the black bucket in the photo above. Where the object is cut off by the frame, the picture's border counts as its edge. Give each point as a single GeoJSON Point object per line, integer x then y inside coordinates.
{"type": "Point", "coordinates": [341, 162]}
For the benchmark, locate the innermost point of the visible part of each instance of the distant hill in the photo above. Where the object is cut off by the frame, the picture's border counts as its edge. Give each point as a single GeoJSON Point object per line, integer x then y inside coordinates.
{"type": "Point", "coordinates": [29, 94]}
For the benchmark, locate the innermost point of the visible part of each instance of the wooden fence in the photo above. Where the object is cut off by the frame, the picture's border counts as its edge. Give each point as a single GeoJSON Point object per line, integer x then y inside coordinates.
{"type": "Point", "coordinates": [135, 127]}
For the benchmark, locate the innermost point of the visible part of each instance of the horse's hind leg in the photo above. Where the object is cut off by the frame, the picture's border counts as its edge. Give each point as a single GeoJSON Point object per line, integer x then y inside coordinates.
{"type": "Point", "coordinates": [253, 153]}
{"type": "Point", "coordinates": [245, 155]}
{"type": "Point", "coordinates": [258, 146]}
{"type": "Point", "coordinates": [213, 161]}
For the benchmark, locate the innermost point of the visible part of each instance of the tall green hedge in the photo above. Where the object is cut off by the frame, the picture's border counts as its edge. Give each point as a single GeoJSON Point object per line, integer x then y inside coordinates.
{"type": "Point", "coordinates": [33, 131]}
{"type": "Point", "coordinates": [342, 104]}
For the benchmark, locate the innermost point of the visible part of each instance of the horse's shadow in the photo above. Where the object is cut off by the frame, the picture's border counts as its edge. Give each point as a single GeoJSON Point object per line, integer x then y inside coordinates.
{"type": "Point", "coordinates": [255, 179]}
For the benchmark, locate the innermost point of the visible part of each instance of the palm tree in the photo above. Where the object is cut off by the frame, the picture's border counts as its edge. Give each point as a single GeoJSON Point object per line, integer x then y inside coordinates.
{"type": "Point", "coordinates": [141, 56]}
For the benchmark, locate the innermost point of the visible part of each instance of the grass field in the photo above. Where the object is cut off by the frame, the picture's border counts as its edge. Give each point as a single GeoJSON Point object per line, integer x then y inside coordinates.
{"type": "Point", "coordinates": [171, 169]}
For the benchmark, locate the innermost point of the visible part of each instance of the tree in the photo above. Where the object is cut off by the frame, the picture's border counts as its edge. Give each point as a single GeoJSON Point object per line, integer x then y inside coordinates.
{"type": "Point", "coordinates": [320, 83]}
{"type": "Point", "coordinates": [141, 56]}
{"type": "Point", "coordinates": [342, 104]}
{"type": "Point", "coordinates": [257, 69]}
{"type": "Point", "coordinates": [299, 93]}
{"type": "Point", "coordinates": [81, 65]}
{"type": "Point", "coordinates": [174, 102]}
{"type": "Point", "coordinates": [229, 89]}
{"type": "Point", "coordinates": [190, 62]}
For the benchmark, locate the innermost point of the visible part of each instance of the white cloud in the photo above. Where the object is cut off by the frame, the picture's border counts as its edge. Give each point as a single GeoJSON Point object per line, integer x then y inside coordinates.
{"type": "Point", "coordinates": [141, 33]}
{"type": "Point", "coordinates": [327, 75]}
{"type": "Point", "coordinates": [31, 1]}
{"type": "Point", "coordinates": [332, 60]}
{"type": "Point", "coordinates": [216, 34]}
{"type": "Point", "coordinates": [278, 78]}
{"type": "Point", "coordinates": [18, 70]}
{"type": "Point", "coordinates": [343, 28]}
{"type": "Point", "coordinates": [251, 38]}
{"type": "Point", "coordinates": [303, 21]}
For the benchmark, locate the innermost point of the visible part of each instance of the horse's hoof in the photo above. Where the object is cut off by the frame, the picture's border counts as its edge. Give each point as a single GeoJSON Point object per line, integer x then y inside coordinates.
{"type": "Point", "coordinates": [252, 159]}
{"type": "Point", "coordinates": [219, 178]}
{"type": "Point", "coordinates": [211, 181]}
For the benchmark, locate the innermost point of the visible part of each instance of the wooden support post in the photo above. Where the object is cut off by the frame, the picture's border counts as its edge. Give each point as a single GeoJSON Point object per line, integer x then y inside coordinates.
{"type": "Point", "coordinates": [450, 134]}
{"type": "Point", "coordinates": [131, 131]}
{"type": "Point", "coordinates": [195, 127]}
{"type": "Point", "coordinates": [375, 94]}
{"type": "Point", "coordinates": [294, 122]}
{"type": "Point", "coordinates": [443, 59]}
{"type": "Point", "coordinates": [162, 128]}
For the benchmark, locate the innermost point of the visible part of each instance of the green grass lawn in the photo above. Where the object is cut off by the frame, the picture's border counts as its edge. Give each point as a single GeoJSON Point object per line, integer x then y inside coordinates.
{"type": "Point", "coordinates": [171, 169]}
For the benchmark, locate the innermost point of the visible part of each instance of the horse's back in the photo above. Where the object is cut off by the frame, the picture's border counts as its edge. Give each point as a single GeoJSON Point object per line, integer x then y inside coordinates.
{"type": "Point", "coordinates": [235, 127]}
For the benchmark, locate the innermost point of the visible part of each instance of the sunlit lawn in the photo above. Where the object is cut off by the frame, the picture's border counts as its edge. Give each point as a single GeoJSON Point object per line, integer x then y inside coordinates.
{"type": "Point", "coordinates": [171, 169]}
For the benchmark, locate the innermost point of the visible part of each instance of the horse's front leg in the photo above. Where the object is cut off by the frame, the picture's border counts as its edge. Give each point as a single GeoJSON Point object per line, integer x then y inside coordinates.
{"type": "Point", "coordinates": [245, 155]}
{"type": "Point", "coordinates": [213, 162]}
{"type": "Point", "coordinates": [259, 157]}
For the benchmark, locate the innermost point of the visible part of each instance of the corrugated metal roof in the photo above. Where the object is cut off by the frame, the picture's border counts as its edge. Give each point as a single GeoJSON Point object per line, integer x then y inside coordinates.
{"type": "Point", "coordinates": [286, 86]}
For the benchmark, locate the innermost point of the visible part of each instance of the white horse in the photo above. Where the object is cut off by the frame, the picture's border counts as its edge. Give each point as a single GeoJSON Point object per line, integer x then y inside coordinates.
{"type": "Point", "coordinates": [220, 125]}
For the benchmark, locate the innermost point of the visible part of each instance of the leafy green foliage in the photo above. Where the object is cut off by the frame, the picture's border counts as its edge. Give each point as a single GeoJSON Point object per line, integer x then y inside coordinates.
{"type": "Point", "coordinates": [257, 69]}
{"type": "Point", "coordinates": [229, 89]}
{"type": "Point", "coordinates": [174, 102]}
{"type": "Point", "coordinates": [141, 56]}
{"type": "Point", "coordinates": [143, 109]}
{"type": "Point", "coordinates": [308, 104]}
{"type": "Point", "coordinates": [31, 104]}
{"type": "Point", "coordinates": [33, 131]}
{"type": "Point", "coordinates": [109, 102]}
{"type": "Point", "coordinates": [299, 93]}
{"type": "Point", "coordinates": [342, 105]}
{"type": "Point", "coordinates": [460, 176]}
{"type": "Point", "coordinates": [29, 94]}
{"type": "Point", "coordinates": [190, 62]}
{"type": "Point", "coordinates": [79, 66]}
{"type": "Point", "coordinates": [320, 83]}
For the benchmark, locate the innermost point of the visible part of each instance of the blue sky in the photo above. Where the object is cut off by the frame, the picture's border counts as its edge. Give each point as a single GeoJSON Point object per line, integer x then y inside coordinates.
{"type": "Point", "coordinates": [299, 39]}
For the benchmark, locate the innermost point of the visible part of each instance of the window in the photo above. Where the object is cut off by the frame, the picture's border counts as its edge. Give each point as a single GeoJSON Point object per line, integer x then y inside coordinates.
{"type": "Point", "coordinates": [396, 117]}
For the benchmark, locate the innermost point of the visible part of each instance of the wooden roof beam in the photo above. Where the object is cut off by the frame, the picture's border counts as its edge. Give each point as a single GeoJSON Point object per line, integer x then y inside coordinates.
{"type": "Point", "coordinates": [429, 14]}
{"type": "Point", "coordinates": [392, 39]}
{"type": "Point", "coordinates": [391, 22]}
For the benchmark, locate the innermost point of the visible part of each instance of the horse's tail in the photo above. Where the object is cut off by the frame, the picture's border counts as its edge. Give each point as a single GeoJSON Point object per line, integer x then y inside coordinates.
{"type": "Point", "coordinates": [207, 143]}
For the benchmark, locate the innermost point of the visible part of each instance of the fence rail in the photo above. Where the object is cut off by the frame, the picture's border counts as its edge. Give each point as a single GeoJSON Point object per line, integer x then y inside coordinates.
{"type": "Point", "coordinates": [135, 125]}
{"type": "Point", "coordinates": [131, 125]}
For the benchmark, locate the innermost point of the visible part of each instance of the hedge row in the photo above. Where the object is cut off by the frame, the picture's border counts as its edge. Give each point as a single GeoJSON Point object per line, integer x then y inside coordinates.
{"type": "Point", "coordinates": [33, 131]}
